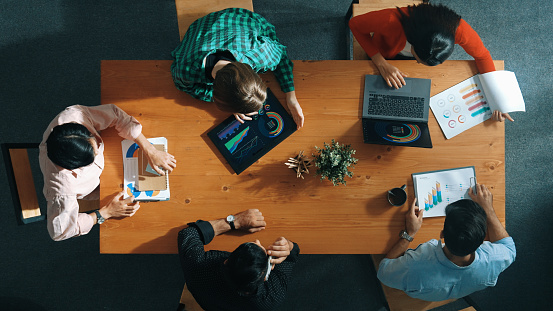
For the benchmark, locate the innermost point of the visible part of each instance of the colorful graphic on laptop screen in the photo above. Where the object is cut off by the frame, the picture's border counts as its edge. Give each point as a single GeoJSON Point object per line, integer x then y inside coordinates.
{"type": "Point", "coordinates": [398, 132]}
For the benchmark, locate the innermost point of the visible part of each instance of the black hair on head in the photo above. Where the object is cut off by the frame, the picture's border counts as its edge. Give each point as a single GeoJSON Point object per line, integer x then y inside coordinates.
{"type": "Point", "coordinates": [464, 227]}
{"type": "Point", "coordinates": [431, 31]}
{"type": "Point", "coordinates": [246, 267]}
{"type": "Point", "coordinates": [69, 146]}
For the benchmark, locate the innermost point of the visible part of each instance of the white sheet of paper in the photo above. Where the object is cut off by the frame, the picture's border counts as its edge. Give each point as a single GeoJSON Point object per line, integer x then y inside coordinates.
{"type": "Point", "coordinates": [473, 101]}
{"type": "Point", "coordinates": [502, 86]}
{"type": "Point", "coordinates": [461, 107]}
{"type": "Point", "coordinates": [130, 172]}
{"type": "Point", "coordinates": [435, 190]}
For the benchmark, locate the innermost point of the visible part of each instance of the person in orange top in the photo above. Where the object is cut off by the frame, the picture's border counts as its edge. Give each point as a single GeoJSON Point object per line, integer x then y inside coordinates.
{"type": "Point", "coordinates": [425, 32]}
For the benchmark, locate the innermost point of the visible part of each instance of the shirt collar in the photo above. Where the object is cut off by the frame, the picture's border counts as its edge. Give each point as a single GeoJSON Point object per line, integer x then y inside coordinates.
{"type": "Point", "coordinates": [442, 258]}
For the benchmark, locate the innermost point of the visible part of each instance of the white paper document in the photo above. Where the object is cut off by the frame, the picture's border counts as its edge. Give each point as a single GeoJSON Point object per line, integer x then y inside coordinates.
{"type": "Point", "coordinates": [130, 174]}
{"type": "Point", "coordinates": [473, 101]}
{"type": "Point", "coordinates": [435, 190]}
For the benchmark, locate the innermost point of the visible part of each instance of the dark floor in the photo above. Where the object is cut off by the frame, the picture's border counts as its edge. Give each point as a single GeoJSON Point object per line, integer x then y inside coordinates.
{"type": "Point", "coordinates": [50, 52]}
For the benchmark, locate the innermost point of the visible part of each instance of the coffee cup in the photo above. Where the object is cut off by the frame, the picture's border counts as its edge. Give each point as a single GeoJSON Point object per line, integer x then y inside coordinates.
{"type": "Point", "coordinates": [397, 196]}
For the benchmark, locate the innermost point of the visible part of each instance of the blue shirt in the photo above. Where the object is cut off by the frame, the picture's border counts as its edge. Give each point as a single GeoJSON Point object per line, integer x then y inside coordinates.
{"type": "Point", "coordinates": [426, 273]}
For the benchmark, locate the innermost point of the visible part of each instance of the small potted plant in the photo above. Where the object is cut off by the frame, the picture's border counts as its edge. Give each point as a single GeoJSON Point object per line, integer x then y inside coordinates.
{"type": "Point", "coordinates": [333, 162]}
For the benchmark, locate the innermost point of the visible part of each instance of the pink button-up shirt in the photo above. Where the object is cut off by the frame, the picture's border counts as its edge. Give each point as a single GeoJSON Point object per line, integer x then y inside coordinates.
{"type": "Point", "coordinates": [63, 187]}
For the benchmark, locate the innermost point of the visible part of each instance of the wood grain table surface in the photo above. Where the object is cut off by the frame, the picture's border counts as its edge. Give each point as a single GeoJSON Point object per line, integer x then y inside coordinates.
{"type": "Point", "coordinates": [321, 218]}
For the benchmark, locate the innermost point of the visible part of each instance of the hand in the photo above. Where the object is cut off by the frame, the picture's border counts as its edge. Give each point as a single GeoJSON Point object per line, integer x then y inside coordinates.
{"type": "Point", "coordinates": [120, 208]}
{"type": "Point", "coordinates": [392, 75]}
{"type": "Point", "coordinates": [483, 197]}
{"type": "Point", "coordinates": [240, 117]}
{"type": "Point", "coordinates": [280, 249]}
{"type": "Point", "coordinates": [160, 160]}
{"type": "Point", "coordinates": [498, 116]}
{"type": "Point", "coordinates": [413, 219]}
{"type": "Point", "coordinates": [251, 220]}
{"type": "Point", "coordinates": [295, 108]}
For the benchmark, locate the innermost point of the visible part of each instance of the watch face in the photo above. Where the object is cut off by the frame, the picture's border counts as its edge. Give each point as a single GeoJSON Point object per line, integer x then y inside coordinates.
{"type": "Point", "coordinates": [230, 218]}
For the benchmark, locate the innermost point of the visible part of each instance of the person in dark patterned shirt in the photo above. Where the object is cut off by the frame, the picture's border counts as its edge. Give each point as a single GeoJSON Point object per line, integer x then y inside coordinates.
{"type": "Point", "coordinates": [236, 281]}
{"type": "Point", "coordinates": [220, 56]}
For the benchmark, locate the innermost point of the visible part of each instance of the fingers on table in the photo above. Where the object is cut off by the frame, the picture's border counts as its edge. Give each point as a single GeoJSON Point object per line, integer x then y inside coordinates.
{"type": "Point", "coordinates": [238, 117]}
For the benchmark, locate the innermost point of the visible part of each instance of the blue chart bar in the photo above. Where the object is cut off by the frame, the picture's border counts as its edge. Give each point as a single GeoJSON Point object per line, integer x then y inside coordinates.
{"type": "Point", "coordinates": [477, 112]}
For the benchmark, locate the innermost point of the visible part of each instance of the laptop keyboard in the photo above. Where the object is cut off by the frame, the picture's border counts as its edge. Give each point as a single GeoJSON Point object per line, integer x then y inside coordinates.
{"type": "Point", "coordinates": [397, 106]}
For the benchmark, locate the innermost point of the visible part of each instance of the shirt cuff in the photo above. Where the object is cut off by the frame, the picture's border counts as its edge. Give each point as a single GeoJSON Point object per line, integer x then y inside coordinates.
{"type": "Point", "coordinates": [205, 230]}
{"type": "Point", "coordinates": [294, 253]}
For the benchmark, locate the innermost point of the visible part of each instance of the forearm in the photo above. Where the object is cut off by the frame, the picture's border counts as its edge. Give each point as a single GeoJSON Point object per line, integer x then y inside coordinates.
{"type": "Point", "coordinates": [144, 144]}
{"type": "Point", "coordinates": [379, 60]}
{"type": "Point", "coordinates": [398, 249]}
{"type": "Point", "coordinates": [496, 231]}
{"type": "Point", "coordinates": [220, 226]}
{"type": "Point", "coordinates": [291, 97]}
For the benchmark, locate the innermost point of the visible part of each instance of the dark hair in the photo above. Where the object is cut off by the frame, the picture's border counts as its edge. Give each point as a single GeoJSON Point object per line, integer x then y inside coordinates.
{"type": "Point", "coordinates": [238, 89]}
{"type": "Point", "coordinates": [431, 31]}
{"type": "Point", "coordinates": [69, 146]}
{"type": "Point", "coordinates": [464, 227]}
{"type": "Point", "coordinates": [246, 267]}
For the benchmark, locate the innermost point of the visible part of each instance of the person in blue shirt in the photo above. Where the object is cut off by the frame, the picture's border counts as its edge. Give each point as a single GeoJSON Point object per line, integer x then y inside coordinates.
{"type": "Point", "coordinates": [465, 264]}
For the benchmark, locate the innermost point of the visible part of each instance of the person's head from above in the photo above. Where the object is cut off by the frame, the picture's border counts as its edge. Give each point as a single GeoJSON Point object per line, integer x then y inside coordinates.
{"type": "Point", "coordinates": [237, 88]}
{"type": "Point", "coordinates": [71, 146]}
{"type": "Point", "coordinates": [464, 227]}
{"type": "Point", "coordinates": [247, 266]}
{"type": "Point", "coordinates": [431, 31]}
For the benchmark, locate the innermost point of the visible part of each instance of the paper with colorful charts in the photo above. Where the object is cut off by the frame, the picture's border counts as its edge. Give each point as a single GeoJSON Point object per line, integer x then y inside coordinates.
{"type": "Point", "coordinates": [130, 172]}
{"type": "Point", "coordinates": [461, 107]}
{"type": "Point", "coordinates": [434, 190]}
{"type": "Point", "coordinates": [473, 101]}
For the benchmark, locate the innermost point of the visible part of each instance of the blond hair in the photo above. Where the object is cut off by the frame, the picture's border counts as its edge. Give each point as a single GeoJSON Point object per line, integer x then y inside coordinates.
{"type": "Point", "coordinates": [238, 89]}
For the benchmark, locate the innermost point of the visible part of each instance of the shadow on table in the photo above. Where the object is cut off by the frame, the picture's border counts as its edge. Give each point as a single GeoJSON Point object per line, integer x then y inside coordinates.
{"type": "Point", "coordinates": [151, 246]}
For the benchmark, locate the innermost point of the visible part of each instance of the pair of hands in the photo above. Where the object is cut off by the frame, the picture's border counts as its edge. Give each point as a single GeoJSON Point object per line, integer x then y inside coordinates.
{"type": "Point", "coordinates": [413, 218]}
{"type": "Point", "coordinates": [252, 220]}
{"type": "Point", "coordinates": [293, 105]}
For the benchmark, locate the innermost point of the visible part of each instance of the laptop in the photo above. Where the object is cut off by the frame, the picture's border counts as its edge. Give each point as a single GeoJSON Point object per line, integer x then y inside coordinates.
{"type": "Point", "coordinates": [397, 117]}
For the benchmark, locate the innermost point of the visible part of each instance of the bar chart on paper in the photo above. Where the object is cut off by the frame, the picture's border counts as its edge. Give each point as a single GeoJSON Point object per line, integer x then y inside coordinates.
{"type": "Point", "coordinates": [436, 189]}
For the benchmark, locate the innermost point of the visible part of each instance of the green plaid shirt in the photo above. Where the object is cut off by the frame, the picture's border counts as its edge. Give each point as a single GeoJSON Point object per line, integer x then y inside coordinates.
{"type": "Point", "coordinates": [248, 36]}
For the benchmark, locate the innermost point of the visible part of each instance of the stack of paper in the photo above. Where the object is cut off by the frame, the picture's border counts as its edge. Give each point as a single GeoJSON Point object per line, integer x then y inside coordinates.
{"type": "Point", "coordinates": [139, 175]}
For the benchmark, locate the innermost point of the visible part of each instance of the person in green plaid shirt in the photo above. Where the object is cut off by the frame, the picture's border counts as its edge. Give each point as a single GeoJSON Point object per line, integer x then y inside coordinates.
{"type": "Point", "coordinates": [220, 56]}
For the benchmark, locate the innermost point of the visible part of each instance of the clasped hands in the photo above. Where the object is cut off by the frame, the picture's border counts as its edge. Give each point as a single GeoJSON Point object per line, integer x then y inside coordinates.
{"type": "Point", "coordinates": [252, 220]}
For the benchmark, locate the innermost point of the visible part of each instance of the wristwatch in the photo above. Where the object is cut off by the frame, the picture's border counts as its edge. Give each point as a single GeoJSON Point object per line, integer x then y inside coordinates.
{"type": "Point", "coordinates": [404, 235]}
{"type": "Point", "coordinates": [230, 220]}
{"type": "Point", "coordinates": [99, 219]}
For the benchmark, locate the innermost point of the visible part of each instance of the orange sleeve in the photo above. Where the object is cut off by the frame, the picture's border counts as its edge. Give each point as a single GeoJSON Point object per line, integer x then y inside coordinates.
{"type": "Point", "coordinates": [469, 40]}
{"type": "Point", "coordinates": [377, 32]}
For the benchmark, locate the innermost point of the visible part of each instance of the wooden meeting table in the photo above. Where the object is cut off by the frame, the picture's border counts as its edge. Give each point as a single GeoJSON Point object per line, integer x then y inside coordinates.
{"type": "Point", "coordinates": [321, 218]}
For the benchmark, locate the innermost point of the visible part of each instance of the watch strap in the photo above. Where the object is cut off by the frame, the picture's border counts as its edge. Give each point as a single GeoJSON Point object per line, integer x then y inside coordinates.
{"type": "Point", "coordinates": [99, 219]}
{"type": "Point", "coordinates": [230, 219]}
{"type": "Point", "coordinates": [404, 235]}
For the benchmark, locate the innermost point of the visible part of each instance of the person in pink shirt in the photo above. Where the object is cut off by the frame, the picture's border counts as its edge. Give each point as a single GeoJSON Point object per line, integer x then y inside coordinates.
{"type": "Point", "coordinates": [72, 159]}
